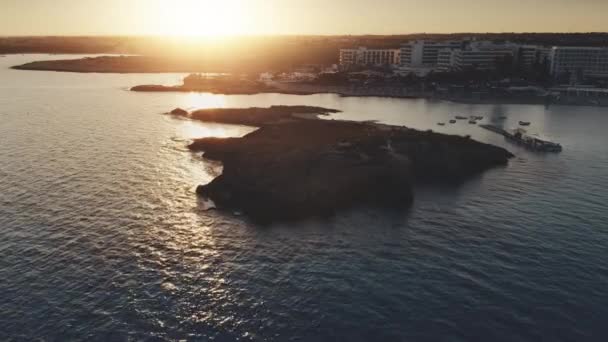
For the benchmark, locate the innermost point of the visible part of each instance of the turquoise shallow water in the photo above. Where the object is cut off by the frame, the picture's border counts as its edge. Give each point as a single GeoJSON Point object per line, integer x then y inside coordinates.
{"type": "Point", "coordinates": [103, 238]}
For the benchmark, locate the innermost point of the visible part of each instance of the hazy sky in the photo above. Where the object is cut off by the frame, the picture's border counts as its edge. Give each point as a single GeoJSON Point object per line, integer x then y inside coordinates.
{"type": "Point", "coordinates": [222, 17]}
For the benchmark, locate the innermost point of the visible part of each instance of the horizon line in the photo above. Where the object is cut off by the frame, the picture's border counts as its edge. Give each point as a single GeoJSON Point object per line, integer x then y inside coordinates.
{"type": "Point", "coordinates": [291, 34]}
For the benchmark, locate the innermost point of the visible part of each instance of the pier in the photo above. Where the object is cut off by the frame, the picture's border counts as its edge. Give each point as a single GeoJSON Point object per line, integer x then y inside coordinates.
{"type": "Point", "coordinates": [529, 142]}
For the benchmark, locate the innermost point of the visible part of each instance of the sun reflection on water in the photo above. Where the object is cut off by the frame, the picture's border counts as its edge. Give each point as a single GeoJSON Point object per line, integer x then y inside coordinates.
{"type": "Point", "coordinates": [204, 100]}
{"type": "Point", "coordinates": [194, 130]}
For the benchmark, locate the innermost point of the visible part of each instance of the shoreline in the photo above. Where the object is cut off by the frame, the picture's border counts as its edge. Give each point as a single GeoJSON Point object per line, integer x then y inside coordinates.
{"type": "Point", "coordinates": [430, 97]}
{"type": "Point", "coordinates": [152, 65]}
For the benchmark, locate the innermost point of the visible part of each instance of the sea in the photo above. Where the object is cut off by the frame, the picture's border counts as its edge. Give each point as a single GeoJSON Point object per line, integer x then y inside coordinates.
{"type": "Point", "coordinates": [102, 237]}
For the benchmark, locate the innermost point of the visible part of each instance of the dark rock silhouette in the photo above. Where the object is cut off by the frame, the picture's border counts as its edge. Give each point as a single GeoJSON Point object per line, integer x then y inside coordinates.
{"type": "Point", "coordinates": [179, 112]}
{"type": "Point", "coordinates": [296, 165]}
{"type": "Point", "coordinates": [211, 84]}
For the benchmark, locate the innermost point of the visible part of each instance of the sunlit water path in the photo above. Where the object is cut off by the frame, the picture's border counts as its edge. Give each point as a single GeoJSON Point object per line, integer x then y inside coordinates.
{"type": "Point", "coordinates": [103, 238]}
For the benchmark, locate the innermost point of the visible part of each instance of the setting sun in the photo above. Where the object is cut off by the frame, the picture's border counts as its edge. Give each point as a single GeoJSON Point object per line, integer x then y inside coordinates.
{"type": "Point", "coordinates": [201, 18]}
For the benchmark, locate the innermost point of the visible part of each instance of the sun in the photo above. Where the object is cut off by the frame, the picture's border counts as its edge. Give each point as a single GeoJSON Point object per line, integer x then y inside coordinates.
{"type": "Point", "coordinates": [201, 18]}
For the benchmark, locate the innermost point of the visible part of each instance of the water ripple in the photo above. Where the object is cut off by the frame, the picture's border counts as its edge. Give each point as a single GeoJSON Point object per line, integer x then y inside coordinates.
{"type": "Point", "coordinates": [102, 237]}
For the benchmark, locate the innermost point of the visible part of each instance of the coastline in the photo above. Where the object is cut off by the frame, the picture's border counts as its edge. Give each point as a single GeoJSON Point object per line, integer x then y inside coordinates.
{"type": "Point", "coordinates": [371, 94]}
{"type": "Point", "coordinates": [152, 65]}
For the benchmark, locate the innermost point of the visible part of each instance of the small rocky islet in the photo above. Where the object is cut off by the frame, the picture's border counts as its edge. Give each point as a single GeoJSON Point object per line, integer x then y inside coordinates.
{"type": "Point", "coordinates": [297, 165]}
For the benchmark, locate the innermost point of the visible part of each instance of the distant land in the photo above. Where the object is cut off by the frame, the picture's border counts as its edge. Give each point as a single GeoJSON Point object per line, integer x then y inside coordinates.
{"type": "Point", "coordinates": [514, 72]}
{"type": "Point", "coordinates": [247, 54]}
{"type": "Point", "coordinates": [124, 64]}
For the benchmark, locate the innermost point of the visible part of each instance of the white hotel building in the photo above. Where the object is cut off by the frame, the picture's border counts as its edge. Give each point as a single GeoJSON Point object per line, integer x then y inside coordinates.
{"type": "Point", "coordinates": [425, 53]}
{"type": "Point", "coordinates": [480, 55]}
{"type": "Point", "coordinates": [423, 56]}
{"type": "Point", "coordinates": [586, 62]}
{"type": "Point", "coordinates": [365, 56]}
{"type": "Point", "coordinates": [459, 55]}
{"type": "Point", "coordinates": [452, 55]}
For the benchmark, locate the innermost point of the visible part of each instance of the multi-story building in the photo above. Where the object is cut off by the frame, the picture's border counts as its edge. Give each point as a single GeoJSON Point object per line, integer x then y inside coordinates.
{"type": "Point", "coordinates": [425, 53]}
{"type": "Point", "coordinates": [481, 55]}
{"type": "Point", "coordinates": [423, 56]}
{"type": "Point", "coordinates": [365, 56]}
{"type": "Point", "coordinates": [457, 55]}
{"type": "Point", "coordinates": [528, 55]}
{"type": "Point", "coordinates": [445, 59]}
{"type": "Point", "coordinates": [585, 62]}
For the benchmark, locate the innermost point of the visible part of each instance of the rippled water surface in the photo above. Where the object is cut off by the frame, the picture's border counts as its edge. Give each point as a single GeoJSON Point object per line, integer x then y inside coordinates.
{"type": "Point", "coordinates": [102, 236]}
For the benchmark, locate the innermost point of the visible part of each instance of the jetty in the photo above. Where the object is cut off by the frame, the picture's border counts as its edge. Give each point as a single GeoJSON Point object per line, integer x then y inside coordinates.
{"type": "Point", "coordinates": [520, 137]}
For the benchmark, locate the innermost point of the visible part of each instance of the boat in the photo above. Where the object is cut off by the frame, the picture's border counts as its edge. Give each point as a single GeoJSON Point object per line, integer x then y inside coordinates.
{"type": "Point", "coordinates": [452, 121]}
{"type": "Point", "coordinates": [458, 117]}
{"type": "Point", "coordinates": [441, 123]}
{"type": "Point", "coordinates": [534, 143]}
{"type": "Point", "coordinates": [524, 123]}
{"type": "Point", "coordinates": [520, 137]}
{"type": "Point", "coordinates": [479, 117]}
{"type": "Point", "coordinates": [473, 122]}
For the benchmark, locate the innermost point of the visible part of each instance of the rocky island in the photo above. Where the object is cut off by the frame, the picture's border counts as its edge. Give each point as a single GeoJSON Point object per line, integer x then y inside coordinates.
{"type": "Point", "coordinates": [298, 165]}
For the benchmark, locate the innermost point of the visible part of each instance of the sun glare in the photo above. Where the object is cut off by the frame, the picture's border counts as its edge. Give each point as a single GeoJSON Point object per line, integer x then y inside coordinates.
{"type": "Point", "coordinates": [201, 18]}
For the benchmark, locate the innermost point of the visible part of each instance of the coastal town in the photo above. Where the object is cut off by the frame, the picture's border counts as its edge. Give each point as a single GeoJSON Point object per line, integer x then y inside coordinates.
{"type": "Point", "coordinates": [468, 70]}
{"type": "Point", "coordinates": [570, 69]}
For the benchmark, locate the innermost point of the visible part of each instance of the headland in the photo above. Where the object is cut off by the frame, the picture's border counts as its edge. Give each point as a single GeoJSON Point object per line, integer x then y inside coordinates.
{"type": "Point", "coordinates": [297, 165]}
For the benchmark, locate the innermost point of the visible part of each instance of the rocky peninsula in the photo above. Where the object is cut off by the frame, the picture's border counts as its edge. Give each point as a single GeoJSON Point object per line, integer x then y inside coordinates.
{"type": "Point", "coordinates": [109, 64]}
{"type": "Point", "coordinates": [215, 84]}
{"type": "Point", "coordinates": [297, 165]}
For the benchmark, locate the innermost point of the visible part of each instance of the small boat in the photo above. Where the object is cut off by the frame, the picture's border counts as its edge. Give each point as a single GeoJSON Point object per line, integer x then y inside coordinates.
{"type": "Point", "coordinates": [524, 123]}
{"type": "Point", "coordinates": [473, 122]}
{"type": "Point", "coordinates": [479, 117]}
{"type": "Point", "coordinates": [458, 117]}
{"type": "Point", "coordinates": [452, 121]}
{"type": "Point", "coordinates": [441, 123]}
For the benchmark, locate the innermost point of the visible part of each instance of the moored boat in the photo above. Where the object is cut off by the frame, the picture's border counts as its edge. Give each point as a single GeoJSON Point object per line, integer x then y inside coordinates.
{"type": "Point", "coordinates": [520, 137]}
{"type": "Point", "coordinates": [533, 143]}
{"type": "Point", "coordinates": [524, 123]}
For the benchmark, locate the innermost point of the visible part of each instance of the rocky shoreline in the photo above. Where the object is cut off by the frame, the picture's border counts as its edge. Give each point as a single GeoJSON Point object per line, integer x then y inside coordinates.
{"type": "Point", "coordinates": [297, 165]}
{"type": "Point", "coordinates": [213, 90]}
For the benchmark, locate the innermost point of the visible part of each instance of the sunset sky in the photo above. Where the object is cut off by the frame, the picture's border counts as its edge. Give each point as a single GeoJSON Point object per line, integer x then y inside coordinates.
{"type": "Point", "coordinates": [260, 17]}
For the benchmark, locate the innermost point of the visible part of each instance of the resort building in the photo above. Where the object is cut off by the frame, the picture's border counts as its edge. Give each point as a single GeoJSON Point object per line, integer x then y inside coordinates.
{"type": "Point", "coordinates": [463, 54]}
{"type": "Point", "coordinates": [529, 55]}
{"type": "Point", "coordinates": [480, 55]}
{"type": "Point", "coordinates": [425, 53]}
{"type": "Point", "coordinates": [365, 56]}
{"type": "Point", "coordinates": [423, 56]}
{"type": "Point", "coordinates": [579, 62]}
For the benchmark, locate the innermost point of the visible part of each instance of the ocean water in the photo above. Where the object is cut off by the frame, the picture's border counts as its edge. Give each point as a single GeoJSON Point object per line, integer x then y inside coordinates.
{"type": "Point", "coordinates": [103, 239]}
